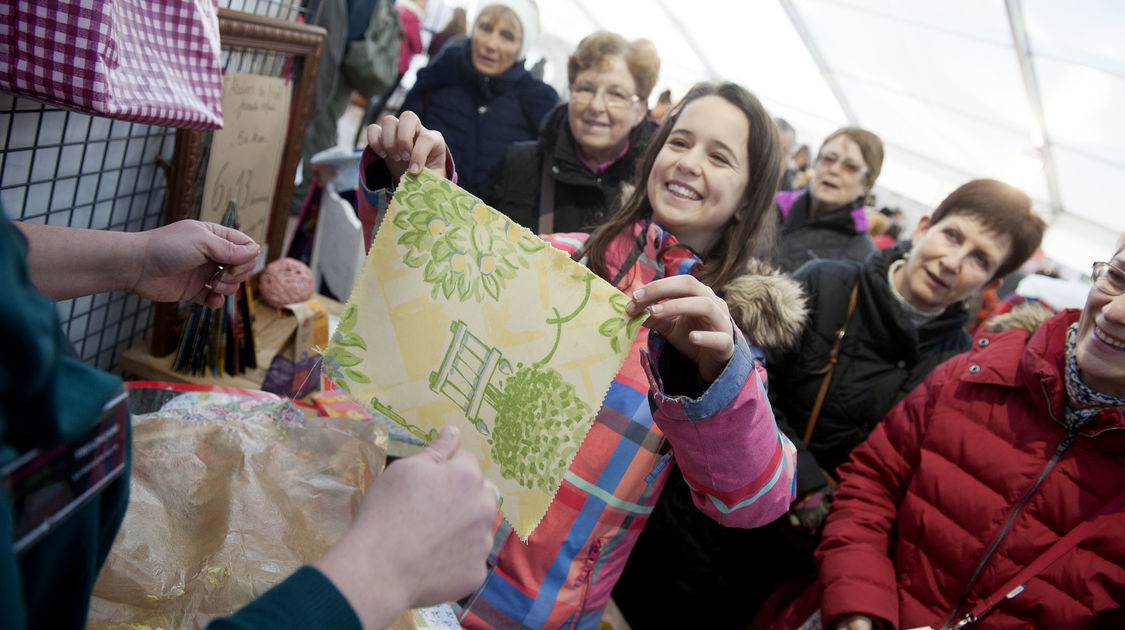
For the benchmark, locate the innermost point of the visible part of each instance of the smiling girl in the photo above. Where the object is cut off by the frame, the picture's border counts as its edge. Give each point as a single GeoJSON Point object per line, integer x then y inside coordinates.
{"type": "Point", "coordinates": [685, 236]}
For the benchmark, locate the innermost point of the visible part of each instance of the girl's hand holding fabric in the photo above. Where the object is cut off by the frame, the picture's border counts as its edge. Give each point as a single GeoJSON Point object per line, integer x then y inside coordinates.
{"type": "Point", "coordinates": [406, 145]}
{"type": "Point", "coordinates": [692, 318]}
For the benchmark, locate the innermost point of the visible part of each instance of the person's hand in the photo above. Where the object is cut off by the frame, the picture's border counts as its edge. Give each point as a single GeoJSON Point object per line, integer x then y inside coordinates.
{"type": "Point", "coordinates": [692, 318]}
{"type": "Point", "coordinates": [179, 260]}
{"type": "Point", "coordinates": [855, 622]}
{"type": "Point", "coordinates": [809, 513]}
{"type": "Point", "coordinates": [406, 145]}
{"type": "Point", "coordinates": [421, 537]}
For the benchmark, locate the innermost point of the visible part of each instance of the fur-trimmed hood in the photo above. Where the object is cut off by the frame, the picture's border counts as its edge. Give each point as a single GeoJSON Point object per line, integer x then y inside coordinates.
{"type": "Point", "coordinates": [769, 306]}
{"type": "Point", "coordinates": [1029, 315]}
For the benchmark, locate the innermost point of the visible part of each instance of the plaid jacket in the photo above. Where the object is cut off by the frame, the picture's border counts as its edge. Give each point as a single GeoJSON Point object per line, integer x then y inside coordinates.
{"type": "Point", "coordinates": [740, 467]}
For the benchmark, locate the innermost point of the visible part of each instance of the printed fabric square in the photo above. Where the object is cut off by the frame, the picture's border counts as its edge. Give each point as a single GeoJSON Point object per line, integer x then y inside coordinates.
{"type": "Point", "coordinates": [461, 317]}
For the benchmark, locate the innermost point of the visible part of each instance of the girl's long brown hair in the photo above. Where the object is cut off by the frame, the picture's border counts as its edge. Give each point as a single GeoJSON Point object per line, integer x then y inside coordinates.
{"type": "Point", "coordinates": [747, 232]}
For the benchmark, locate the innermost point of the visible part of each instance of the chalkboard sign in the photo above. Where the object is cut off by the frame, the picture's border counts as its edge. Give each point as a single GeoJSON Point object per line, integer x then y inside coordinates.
{"type": "Point", "coordinates": [246, 152]}
{"type": "Point", "coordinates": [289, 53]}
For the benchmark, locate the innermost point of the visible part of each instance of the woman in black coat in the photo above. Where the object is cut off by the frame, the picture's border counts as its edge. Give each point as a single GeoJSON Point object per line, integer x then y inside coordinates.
{"type": "Point", "coordinates": [827, 219]}
{"type": "Point", "coordinates": [571, 179]}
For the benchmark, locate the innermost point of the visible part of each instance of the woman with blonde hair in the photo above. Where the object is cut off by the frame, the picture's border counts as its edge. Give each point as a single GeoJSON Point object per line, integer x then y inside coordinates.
{"type": "Point", "coordinates": [572, 178]}
{"type": "Point", "coordinates": [827, 219]}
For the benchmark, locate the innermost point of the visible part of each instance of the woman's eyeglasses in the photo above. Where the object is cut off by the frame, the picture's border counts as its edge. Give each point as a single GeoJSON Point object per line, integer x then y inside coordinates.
{"type": "Point", "coordinates": [584, 94]}
{"type": "Point", "coordinates": [828, 159]}
{"type": "Point", "coordinates": [1108, 278]}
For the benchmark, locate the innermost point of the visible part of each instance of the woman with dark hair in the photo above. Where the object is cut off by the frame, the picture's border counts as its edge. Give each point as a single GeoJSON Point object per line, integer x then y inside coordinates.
{"type": "Point", "coordinates": [572, 178]}
{"type": "Point", "coordinates": [725, 242]}
{"type": "Point", "coordinates": [909, 315]}
{"type": "Point", "coordinates": [687, 234]}
{"type": "Point", "coordinates": [827, 219]}
{"type": "Point", "coordinates": [478, 94]}
{"type": "Point", "coordinates": [875, 330]}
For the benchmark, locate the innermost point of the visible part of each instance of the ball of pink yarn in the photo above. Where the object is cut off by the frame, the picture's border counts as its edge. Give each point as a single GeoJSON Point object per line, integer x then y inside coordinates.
{"type": "Point", "coordinates": [285, 281]}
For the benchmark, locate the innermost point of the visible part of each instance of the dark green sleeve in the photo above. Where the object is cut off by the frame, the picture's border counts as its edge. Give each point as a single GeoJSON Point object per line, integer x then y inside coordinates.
{"type": "Point", "coordinates": [306, 599]}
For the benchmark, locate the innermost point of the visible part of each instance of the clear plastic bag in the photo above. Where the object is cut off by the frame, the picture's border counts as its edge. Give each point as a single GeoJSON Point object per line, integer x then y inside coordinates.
{"type": "Point", "coordinates": [231, 491]}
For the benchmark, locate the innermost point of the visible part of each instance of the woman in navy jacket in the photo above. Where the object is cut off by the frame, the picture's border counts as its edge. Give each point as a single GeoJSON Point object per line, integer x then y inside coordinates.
{"type": "Point", "coordinates": [478, 94]}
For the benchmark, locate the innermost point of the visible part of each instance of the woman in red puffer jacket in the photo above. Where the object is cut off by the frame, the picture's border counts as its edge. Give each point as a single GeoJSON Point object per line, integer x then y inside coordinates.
{"type": "Point", "coordinates": [999, 454]}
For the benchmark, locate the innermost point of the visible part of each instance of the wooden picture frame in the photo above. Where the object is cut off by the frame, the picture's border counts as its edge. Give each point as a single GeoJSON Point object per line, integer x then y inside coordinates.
{"type": "Point", "coordinates": [244, 33]}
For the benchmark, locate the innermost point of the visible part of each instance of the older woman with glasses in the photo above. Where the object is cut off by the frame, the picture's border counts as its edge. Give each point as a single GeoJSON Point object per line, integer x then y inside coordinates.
{"type": "Point", "coordinates": [571, 179]}
{"type": "Point", "coordinates": [996, 489]}
{"type": "Point", "coordinates": [827, 219]}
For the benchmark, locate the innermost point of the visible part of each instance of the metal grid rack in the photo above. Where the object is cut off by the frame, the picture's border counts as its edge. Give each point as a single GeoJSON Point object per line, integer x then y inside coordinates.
{"type": "Point", "coordinates": [64, 168]}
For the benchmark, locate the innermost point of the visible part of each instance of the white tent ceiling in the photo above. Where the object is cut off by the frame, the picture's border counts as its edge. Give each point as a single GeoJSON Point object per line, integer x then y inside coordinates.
{"type": "Point", "coordinates": [1028, 91]}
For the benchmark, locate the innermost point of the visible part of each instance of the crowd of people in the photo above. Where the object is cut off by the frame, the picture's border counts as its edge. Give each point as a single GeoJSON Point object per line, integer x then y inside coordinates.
{"type": "Point", "coordinates": [810, 431]}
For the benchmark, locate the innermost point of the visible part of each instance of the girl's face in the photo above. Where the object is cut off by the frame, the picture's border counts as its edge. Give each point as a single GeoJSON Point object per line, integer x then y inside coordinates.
{"type": "Point", "coordinates": [496, 44]}
{"type": "Point", "coordinates": [839, 175]}
{"type": "Point", "coordinates": [1101, 332]}
{"type": "Point", "coordinates": [701, 172]}
{"type": "Point", "coordinates": [950, 260]}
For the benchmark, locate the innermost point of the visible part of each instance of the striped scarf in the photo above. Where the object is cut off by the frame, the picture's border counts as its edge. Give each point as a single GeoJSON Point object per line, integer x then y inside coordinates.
{"type": "Point", "coordinates": [1083, 402]}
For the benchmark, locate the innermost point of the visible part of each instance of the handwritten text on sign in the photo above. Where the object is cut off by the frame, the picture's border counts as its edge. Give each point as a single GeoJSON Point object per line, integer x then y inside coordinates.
{"type": "Point", "coordinates": [246, 153]}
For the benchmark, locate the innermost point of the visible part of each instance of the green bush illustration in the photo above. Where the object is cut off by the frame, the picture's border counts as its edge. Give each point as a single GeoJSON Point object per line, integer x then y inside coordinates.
{"type": "Point", "coordinates": [533, 436]}
{"type": "Point", "coordinates": [338, 362]}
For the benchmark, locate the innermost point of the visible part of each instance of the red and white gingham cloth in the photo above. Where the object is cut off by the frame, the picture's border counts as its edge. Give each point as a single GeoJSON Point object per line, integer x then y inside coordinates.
{"type": "Point", "coordinates": [150, 61]}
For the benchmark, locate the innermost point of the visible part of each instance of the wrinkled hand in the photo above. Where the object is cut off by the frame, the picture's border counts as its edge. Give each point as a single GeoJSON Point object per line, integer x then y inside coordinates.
{"type": "Point", "coordinates": [421, 536]}
{"type": "Point", "coordinates": [177, 261]}
{"type": "Point", "coordinates": [441, 510]}
{"type": "Point", "coordinates": [407, 146]}
{"type": "Point", "coordinates": [692, 318]}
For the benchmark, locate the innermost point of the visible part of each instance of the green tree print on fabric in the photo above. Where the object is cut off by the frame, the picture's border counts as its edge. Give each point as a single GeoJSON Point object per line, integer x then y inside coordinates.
{"type": "Point", "coordinates": [338, 362]}
{"type": "Point", "coordinates": [466, 252]}
{"type": "Point", "coordinates": [534, 436]}
{"type": "Point", "coordinates": [464, 248]}
{"type": "Point", "coordinates": [537, 413]}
